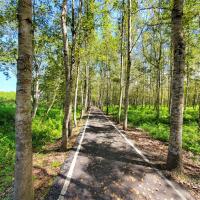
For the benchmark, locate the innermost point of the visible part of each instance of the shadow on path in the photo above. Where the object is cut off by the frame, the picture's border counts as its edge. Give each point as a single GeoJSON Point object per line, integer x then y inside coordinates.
{"type": "Point", "coordinates": [108, 168]}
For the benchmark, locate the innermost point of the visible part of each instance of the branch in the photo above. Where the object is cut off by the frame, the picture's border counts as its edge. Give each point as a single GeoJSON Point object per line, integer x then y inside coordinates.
{"type": "Point", "coordinates": [149, 8]}
{"type": "Point", "coordinates": [137, 38]}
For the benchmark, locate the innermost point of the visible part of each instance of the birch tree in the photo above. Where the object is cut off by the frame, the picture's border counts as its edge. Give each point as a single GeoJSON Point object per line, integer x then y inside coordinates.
{"type": "Point", "coordinates": [23, 188]}
{"type": "Point", "coordinates": [126, 98]}
{"type": "Point", "coordinates": [121, 63]}
{"type": "Point", "coordinates": [174, 159]}
{"type": "Point", "coordinates": [67, 106]}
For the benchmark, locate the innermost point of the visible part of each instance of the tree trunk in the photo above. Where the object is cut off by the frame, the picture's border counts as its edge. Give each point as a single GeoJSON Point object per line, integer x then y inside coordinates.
{"type": "Point", "coordinates": [23, 186]}
{"type": "Point", "coordinates": [162, 99]}
{"type": "Point", "coordinates": [194, 101]}
{"type": "Point", "coordinates": [143, 91]}
{"type": "Point", "coordinates": [150, 89]}
{"type": "Point", "coordinates": [171, 76]}
{"type": "Point", "coordinates": [35, 80]}
{"type": "Point", "coordinates": [86, 88]}
{"type": "Point", "coordinates": [36, 94]}
{"type": "Point", "coordinates": [158, 94]}
{"type": "Point", "coordinates": [126, 101]}
{"type": "Point", "coordinates": [76, 94]}
{"type": "Point", "coordinates": [158, 88]}
{"type": "Point", "coordinates": [107, 97]}
{"type": "Point", "coordinates": [65, 129]}
{"type": "Point", "coordinates": [174, 159]}
{"type": "Point", "coordinates": [70, 122]}
{"type": "Point", "coordinates": [82, 100]}
{"type": "Point", "coordinates": [89, 91]}
{"type": "Point", "coordinates": [187, 86]}
{"type": "Point", "coordinates": [121, 72]}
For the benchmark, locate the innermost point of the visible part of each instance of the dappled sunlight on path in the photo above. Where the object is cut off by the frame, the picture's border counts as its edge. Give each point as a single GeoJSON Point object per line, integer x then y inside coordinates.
{"type": "Point", "coordinates": [108, 168]}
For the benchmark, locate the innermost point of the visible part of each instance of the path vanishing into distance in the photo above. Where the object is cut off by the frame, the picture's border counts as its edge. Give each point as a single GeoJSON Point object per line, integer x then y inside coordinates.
{"type": "Point", "coordinates": [106, 165]}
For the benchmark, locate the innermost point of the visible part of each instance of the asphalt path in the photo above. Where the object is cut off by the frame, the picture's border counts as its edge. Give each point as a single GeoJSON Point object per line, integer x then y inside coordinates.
{"type": "Point", "coordinates": [106, 165]}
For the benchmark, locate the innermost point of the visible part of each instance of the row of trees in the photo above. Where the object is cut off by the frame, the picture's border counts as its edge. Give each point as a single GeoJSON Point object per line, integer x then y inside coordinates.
{"type": "Point", "coordinates": [75, 53]}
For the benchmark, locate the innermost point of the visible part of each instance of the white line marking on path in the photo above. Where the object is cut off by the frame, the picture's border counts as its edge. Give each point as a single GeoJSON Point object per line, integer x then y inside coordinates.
{"type": "Point", "coordinates": [146, 159]}
{"type": "Point", "coordinates": [71, 169]}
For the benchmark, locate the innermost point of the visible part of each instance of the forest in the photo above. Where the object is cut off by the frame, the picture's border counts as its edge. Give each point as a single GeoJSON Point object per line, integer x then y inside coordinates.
{"type": "Point", "coordinates": [136, 61]}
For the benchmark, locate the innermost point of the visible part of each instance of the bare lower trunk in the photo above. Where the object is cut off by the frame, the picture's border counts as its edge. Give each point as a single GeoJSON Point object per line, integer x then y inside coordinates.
{"type": "Point", "coordinates": [107, 99]}
{"type": "Point", "coordinates": [174, 159]}
{"type": "Point", "coordinates": [150, 91]}
{"type": "Point", "coordinates": [171, 75]}
{"type": "Point", "coordinates": [120, 107]}
{"type": "Point", "coordinates": [35, 96]}
{"type": "Point", "coordinates": [23, 187]}
{"type": "Point", "coordinates": [143, 92]}
{"type": "Point", "coordinates": [86, 88]}
{"type": "Point", "coordinates": [66, 120]}
{"type": "Point", "coordinates": [187, 86]}
{"type": "Point", "coordinates": [100, 96]}
{"type": "Point", "coordinates": [158, 94]}
{"type": "Point", "coordinates": [89, 91]}
{"type": "Point", "coordinates": [126, 101]}
{"type": "Point", "coordinates": [195, 97]}
{"type": "Point", "coordinates": [75, 96]}
{"type": "Point", "coordinates": [82, 100]}
{"type": "Point", "coordinates": [70, 122]}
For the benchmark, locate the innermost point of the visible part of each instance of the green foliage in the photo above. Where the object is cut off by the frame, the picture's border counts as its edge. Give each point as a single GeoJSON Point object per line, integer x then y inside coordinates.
{"type": "Point", "coordinates": [46, 128]}
{"type": "Point", "coordinates": [7, 138]}
{"type": "Point", "coordinates": [145, 118]}
{"type": "Point", "coordinates": [191, 137]}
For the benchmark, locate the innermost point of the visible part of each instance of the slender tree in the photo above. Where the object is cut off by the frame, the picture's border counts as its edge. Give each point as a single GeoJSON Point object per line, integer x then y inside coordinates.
{"type": "Point", "coordinates": [23, 188]}
{"type": "Point", "coordinates": [67, 107]}
{"type": "Point", "coordinates": [121, 63]}
{"type": "Point", "coordinates": [77, 31]}
{"type": "Point", "coordinates": [126, 100]}
{"type": "Point", "coordinates": [174, 159]}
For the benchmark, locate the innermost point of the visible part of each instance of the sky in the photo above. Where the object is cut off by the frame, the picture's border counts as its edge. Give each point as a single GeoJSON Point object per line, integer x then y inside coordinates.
{"type": "Point", "coordinates": [9, 84]}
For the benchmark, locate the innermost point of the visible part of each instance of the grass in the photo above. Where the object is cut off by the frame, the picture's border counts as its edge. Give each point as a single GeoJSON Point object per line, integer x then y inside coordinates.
{"type": "Point", "coordinates": [44, 129]}
{"type": "Point", "coordinates": [7, 137]}
{"type": "Point", "coordinates": [145, 118]}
